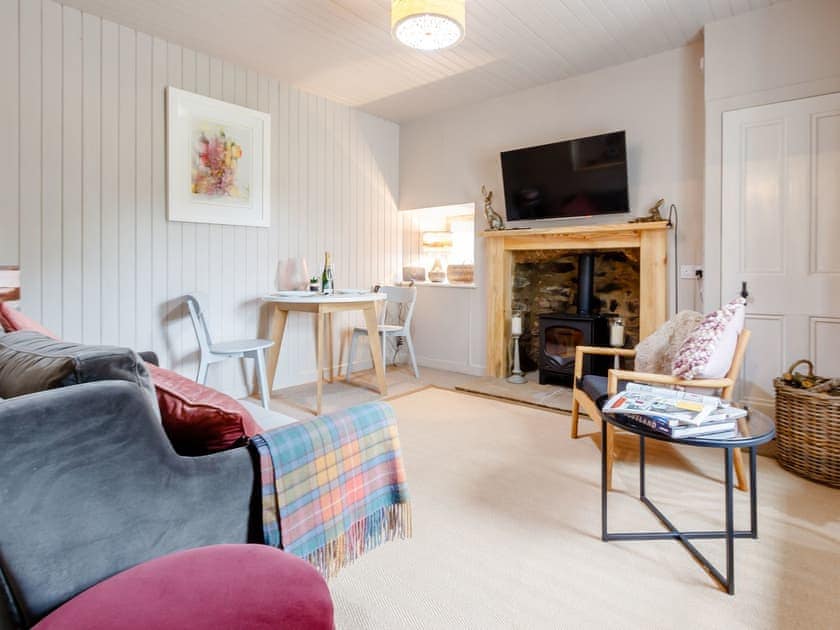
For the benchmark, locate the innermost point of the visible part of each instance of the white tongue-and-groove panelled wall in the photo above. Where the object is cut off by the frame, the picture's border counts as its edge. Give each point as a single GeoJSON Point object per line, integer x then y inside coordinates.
{"type": "Point", "coordinates": [83, 211]}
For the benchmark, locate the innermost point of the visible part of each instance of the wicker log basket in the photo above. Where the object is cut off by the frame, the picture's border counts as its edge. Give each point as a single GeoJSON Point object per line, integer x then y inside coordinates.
{"type": "Point", "coordinates": [808, 426]}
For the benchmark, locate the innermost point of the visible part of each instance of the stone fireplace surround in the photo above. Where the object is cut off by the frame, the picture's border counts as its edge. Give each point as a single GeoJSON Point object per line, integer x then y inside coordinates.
{"type": "Point", "coordinates": [546, 281]}
{"type": "Point", "coordinates": [644, 242]}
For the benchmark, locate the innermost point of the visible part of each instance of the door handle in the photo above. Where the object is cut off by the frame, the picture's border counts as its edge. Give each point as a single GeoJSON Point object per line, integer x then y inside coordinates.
{"type": "Point", "coordinates": [744, 293]}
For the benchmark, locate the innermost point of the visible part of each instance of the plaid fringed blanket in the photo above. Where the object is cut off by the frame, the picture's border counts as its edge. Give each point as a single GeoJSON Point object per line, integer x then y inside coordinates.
{"type": "Point", "coordinates": [334, 487]}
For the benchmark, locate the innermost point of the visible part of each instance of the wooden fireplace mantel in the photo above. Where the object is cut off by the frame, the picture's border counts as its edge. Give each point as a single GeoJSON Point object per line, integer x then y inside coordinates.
{"type": "Point", "coordinates": [649, 238]}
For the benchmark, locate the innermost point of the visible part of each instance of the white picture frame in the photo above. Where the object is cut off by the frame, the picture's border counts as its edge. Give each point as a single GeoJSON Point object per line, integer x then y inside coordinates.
{"type": "Point", "coordinates": [218, 161]}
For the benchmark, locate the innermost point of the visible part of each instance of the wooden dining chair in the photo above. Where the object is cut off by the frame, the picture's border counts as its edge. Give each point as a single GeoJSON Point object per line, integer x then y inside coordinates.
{"type": "Point", "coordinates": [591, 392]}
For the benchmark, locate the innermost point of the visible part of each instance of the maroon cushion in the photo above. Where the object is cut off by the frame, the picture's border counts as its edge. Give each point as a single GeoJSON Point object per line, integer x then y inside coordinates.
{"type": "Point", "coordinates": [12, 320]}
{"type": "Point", "coordinates": [223, 586]}
{"type": "Point", "coordinates": [197, 419]}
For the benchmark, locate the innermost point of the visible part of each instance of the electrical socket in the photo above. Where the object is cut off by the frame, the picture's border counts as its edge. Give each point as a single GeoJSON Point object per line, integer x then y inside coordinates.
{"type": "Point", "coordinates": [691, 272]}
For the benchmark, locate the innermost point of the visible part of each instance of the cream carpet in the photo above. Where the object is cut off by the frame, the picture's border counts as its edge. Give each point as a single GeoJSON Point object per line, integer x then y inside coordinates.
{"type": "Point", "coordinates": [554, 397]}
{"type": "Point", "coordinates": [299, 401]}
{"type": "Point", "coordinates": [507, 534]}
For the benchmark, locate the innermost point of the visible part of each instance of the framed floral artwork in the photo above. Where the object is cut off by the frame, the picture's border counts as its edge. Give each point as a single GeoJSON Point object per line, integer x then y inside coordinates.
{"type": "Point", "coordinates": [218, 160]}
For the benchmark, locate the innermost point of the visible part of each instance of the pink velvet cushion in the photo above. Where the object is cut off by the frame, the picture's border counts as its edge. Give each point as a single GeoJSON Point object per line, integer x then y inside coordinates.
{"type": "Point", "coordinates": [12, 320]}
{"type": "Point", "coordinates": [197, 419]}
{"type": "Point", "coordinates": [223, 586]}
{"type": "Point", "coordinates": [708, 351]}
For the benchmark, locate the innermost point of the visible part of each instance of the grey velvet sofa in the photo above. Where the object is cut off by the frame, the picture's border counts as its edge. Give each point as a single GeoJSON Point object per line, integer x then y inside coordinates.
{"type": "Point", "coordinates": [90, 486]}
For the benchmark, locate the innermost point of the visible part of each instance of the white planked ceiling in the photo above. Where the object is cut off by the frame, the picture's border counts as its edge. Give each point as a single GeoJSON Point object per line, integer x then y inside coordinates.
{"type": "Point", "coordinates": [343, 50]}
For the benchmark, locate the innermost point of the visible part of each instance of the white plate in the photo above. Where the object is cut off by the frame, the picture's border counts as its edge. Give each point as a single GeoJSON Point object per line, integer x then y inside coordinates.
{"type": "Point", "coordinates": [352, 292]}
{"type": "Point", "coordinates": [295, 293]}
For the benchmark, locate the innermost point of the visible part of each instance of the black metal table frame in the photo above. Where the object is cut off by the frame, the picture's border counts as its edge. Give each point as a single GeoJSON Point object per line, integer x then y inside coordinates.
{"type": "Point", "coordinates": [685, 537]}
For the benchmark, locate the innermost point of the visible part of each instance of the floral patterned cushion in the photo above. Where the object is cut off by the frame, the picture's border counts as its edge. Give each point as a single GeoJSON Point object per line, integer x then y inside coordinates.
{"type": "Point", "coordinates": [655, 353]}
{"type": "Point", "coordinates": [708, 351]}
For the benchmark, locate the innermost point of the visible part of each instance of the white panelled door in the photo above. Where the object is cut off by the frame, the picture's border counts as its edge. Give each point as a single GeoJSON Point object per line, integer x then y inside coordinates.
{"type": "Point", "coordinates": [781, 235]}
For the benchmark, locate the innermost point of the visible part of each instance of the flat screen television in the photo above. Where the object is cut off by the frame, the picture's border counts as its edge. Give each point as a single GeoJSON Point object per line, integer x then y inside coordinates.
{"type": "Point", "coordinates": [574, 178]}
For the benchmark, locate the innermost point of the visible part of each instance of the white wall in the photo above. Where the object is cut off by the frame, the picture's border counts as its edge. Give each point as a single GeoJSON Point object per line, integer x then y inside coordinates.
{"type": "Point", "coordinates": [83, 180]}
{"type": "Point", "coordinates": [781, 45]}
{"type": "Point", "coordinates": [445, 325]}
{"type": "Point", "coordinates": [446, 158]}
{"type": "Point", "coordinates": [787, 51]}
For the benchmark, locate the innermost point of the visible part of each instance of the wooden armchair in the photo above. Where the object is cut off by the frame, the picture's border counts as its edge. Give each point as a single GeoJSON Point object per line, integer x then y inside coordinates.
{"type": "Point", "coordinates": [607, 386]}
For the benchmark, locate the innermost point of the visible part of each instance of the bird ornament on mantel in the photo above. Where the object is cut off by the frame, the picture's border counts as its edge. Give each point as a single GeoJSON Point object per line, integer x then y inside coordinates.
{"type": "Point", "coordinates": [653, 214]}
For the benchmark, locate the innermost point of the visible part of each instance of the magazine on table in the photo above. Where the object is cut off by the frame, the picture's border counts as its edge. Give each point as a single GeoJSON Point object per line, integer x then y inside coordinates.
{"type": "Point", "coordinates": [673, 408]}
{"type": "Point", "coordinates": [717, 429]}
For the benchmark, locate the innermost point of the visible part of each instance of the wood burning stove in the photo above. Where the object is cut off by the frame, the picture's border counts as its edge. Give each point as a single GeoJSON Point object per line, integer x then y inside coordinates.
{"type": "Point", "coordinates": [561, 333]}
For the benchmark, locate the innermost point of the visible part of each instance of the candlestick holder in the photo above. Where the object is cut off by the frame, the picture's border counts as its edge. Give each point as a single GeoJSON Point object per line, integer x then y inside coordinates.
{"type": "Point", "coordinates": [518, 376]}
{"type": "Point", "coordinates": [617, 339]}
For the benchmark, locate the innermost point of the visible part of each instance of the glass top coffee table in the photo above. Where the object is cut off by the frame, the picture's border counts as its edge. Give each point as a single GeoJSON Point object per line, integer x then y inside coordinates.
{"type": "Point", "coordinates": [754, 430]}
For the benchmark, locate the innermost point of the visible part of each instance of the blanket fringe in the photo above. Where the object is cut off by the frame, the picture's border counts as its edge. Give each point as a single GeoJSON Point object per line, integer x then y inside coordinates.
{"type": "Point", "coordinates": [386, 524]}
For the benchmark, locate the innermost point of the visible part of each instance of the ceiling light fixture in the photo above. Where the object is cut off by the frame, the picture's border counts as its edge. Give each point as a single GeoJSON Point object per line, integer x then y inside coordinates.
{"type": "Point", "coordinates": [428, 24]}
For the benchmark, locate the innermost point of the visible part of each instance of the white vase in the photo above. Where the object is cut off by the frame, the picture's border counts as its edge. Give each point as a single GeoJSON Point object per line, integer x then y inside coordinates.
{"type": "Point", "coordinates": [292, 275]}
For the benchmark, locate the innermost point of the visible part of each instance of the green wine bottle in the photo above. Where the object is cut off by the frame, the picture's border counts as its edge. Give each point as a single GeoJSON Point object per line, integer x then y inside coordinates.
{"type": "Point", "coordinates": [327, 276]}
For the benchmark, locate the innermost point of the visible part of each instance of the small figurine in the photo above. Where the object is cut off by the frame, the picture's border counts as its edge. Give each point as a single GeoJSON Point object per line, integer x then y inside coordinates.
{"type": "Point", "coordinates": [494, 221]}
{"type": "Point", "coordinates": [652, 215]}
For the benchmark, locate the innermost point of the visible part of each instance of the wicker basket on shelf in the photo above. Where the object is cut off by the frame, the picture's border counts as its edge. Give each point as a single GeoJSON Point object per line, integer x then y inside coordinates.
{"type": "Point", "coordinates": [808, 430]}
